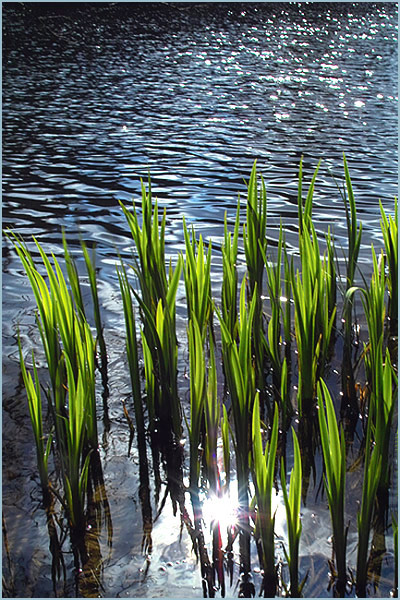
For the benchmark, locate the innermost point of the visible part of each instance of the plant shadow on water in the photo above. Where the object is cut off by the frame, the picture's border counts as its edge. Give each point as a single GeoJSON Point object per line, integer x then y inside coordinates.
{"type": "Point", "coordinates": [221, 521]}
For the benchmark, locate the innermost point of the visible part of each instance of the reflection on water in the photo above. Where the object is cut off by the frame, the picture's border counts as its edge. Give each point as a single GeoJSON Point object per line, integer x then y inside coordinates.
{"type": "Point", "coordinates": [95, 96]}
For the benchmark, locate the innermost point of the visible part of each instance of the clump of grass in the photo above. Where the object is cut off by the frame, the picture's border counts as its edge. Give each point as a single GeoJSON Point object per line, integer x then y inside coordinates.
{"type": "Point", "coordinates": [46, 318]}
{"type": "Point", "coordinates": [334, 451]}
{"type": "Point", "coordinates": [70, 351]}
{"type": "Point", "coordinates": [199, 397]}
{"type": "Point", "coordinates": [292, 505]}
{"type": "Point", "coordinates": [373, 300]}
{"type": "Point", "coordinates": [313, 325]}
{"type": "Point", "coordinates": [263, 476]}
{"type": "Point", "coordinates": [312, 294]}
{"type": "Point", "coordinates": [158, 305]}
{"type": "Point", "coordinates": [75, 465]}
{"type": "Point", "coordinates": [240, 377]}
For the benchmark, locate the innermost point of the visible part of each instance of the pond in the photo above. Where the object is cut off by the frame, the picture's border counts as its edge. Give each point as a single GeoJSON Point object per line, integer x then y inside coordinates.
{"type": "Point", "coordinates": [97, 96]}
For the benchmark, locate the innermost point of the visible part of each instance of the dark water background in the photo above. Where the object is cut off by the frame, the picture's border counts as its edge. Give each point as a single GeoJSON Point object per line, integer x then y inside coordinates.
{"type": "Point", "coordinates": [97, 95]}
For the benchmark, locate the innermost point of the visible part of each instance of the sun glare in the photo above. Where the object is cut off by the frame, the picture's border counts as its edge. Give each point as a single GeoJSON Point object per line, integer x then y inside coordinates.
{"type": "Point", "coordinates": [222, 509]}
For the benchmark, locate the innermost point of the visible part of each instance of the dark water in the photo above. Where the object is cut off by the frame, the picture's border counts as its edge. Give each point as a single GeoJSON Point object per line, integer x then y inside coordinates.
{"type": "Point", "coordinates": [95, 96]}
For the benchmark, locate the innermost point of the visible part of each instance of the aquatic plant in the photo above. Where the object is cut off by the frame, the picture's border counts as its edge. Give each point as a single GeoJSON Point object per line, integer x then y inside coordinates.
{"type": "Point", "coordinates": [263, 478]}
{"type": "Point", "coordinates": [133, 358]}
{"type": "Point", "coordinates": [198, 392]}
{"type": "Point", "coordinates": [229, 293]}
{"type": "Point", "coordinates": [75, 465]}
{"type": "Point", "coordinates": [373, 300]}
{"type": "Point", "coordinates": [334, 452]}
{"type": "Point", "coordinates": [372, 473]}
{"type": "Point", "coordinates": [312, 295]}
{"type": "Point", "coordinates": [389, 227]}
{"type": "Point", "coordinates": [43, 450]}
{"type": "Point", "coordinates": [196, 272]}
{"type": "Point", "coordinates": [294, 527]}
{"type": "Point", "coordinates": [354, 235]}
{"type": "Point", "coordinates": [240, 378]}
{"type": "Point", "coordinates": [255, 247]}
{"type": "Point", "coordinates": [157, 304]}
{"type": "Point", "coordinates": [46, 318]}
{"type": "Point", "coordinates": [273, 341]}
{"type": "Point", "coordinates": [90, 262]}
{"type": "Point", "coordinates": [70, 349]}
{"type": "Point", "coordinates": [354, 229]}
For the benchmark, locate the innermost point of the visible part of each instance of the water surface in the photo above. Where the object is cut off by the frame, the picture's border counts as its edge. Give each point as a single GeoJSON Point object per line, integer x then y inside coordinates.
{"type": "Point", "coordinates": [96, 96]}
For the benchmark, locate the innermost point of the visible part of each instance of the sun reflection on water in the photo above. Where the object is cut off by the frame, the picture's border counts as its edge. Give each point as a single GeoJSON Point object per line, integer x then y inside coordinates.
{"type": "Point", "coordinates": [222, 509]}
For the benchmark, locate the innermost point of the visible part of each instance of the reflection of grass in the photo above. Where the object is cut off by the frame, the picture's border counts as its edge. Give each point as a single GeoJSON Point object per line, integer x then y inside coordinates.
{"type": "Point", "coordinates": [253, 358]}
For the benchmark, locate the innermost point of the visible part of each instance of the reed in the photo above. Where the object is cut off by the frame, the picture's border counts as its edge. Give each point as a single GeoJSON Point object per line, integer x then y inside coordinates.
{"type": "Point", "coordinates": [226, 446]}
{"type": "Point", "coordinates": [373, 300]}
{"type": "Point", "coordinates": [32, 387]}
{"type": "Point", "coordinates": [383, 399]}
{"type": "Point", "coordinates": [90, 262]}
{"type": "Point", "coordinates": [372, 473]}
{"type": "Point", "coordinates": [70, 350]}
{"type": "Point", "coordinates": [133, 358]}
{"type": "Point", "coordinates": [46, 318]}
{"type": "Point", "coordinates": [75, 465]}
{"type": "Point", "coordinates": [240, 378]}
{"type": "Point", "coordinates": [273, 342]}
{"type": "Point", "coordinates": [305, 207]}
{"type": "Point", "coordinates": [313, 323]}
{"type": "Point", "coordinates": [198, 391]}
{"type": "Point", "coordinates": [354, 229]}
{"type": "Point", "coordinates": [158, 306]}
{"type": "Point", "coordinates": [292, 505]}
{"type": "Point", "coordinates": [161, 358]}
{"type": "Point", "coordinates": [196, 271]}
{"type": "Point", "coordinates": [229, 294]}
{"type": "Point", "coordinates": [389, 227]}
{"type": "Point", "coordinates": [255, 248]}
{"type": "Point", "coordinates": [212, 414]}
{"type": "Point", "coordinates": [263, 478]}
{"type": "Point", "coordinates": [354, 235]}
{"type": "Point", "coordinates": [73, 277]}
{"type": "Point", "coordinates": [334, 451]}
{"type": "Point", "coordinates": [150, 247]}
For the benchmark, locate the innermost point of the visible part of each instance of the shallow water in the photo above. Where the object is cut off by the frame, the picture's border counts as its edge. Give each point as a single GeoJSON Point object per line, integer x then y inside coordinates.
{"type": "Point", "coordinates": [97, 96]}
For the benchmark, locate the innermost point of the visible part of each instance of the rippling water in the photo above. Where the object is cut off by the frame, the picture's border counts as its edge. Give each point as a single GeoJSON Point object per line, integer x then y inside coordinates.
{"type": "Point", "coordinates": [96, 96]}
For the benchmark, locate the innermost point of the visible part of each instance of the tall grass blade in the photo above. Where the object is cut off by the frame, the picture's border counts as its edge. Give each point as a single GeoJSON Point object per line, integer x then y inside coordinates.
{"type": "Point", "coordinates": [334, 451]}
{"type": "Point", "coordinates": [32, 387]}
{"type": "Point", "coordinates": [263, 477]}
{"type": "Point", "coordinates": [292, 505]}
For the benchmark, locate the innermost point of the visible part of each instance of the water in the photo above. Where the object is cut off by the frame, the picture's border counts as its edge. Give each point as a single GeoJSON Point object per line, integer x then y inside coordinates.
{"type": "Point", "coordinates": [96, 96]}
